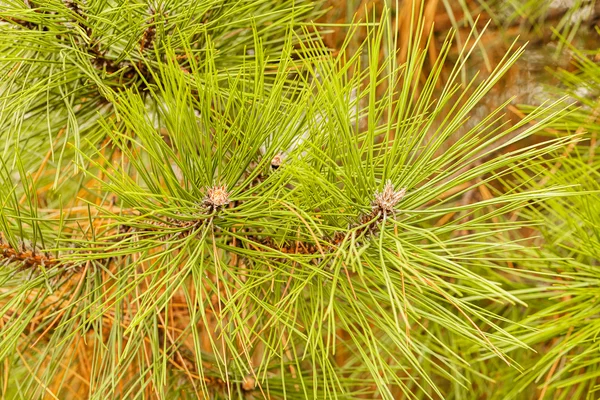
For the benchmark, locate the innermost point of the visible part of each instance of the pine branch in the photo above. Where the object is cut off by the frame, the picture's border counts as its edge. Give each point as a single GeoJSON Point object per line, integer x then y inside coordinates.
{"type": "Point", "coordinates": [282, 224]}
{"type": "Point", "coordinates": [28, 258]}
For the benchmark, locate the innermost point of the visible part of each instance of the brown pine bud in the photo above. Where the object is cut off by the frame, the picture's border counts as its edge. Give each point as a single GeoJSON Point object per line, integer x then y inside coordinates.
{"type": "Point", "coordinates": [277, 161]}
{"type": "Point", "coordinates": [216, 198]}
{"type": "Point", "coordinates": [386, 200]}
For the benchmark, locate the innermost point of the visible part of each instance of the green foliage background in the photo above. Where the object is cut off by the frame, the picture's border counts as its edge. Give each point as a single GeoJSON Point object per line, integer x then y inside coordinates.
{"type": "Point", "coordinates": [205, 200]}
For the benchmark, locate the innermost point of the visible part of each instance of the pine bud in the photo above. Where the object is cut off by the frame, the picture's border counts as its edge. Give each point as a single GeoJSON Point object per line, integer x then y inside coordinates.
{"type": "Point", "coordinates": [386, 200]}
{"type": "Point", "coordinates": [216, 197]}
{"type": "Point", "coordinates": [277, 161]}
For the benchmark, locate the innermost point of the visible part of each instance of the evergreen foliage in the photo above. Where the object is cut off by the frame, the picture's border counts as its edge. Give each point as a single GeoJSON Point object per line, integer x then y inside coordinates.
{"type": "Point", "coordinates": [201, 200]}
{"type": "Point", "coordinates": [565, 315]}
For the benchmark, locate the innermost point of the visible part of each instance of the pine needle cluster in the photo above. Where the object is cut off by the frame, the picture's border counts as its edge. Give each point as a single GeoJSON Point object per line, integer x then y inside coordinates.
{"type": "Point", "coordinates": [201, 200]}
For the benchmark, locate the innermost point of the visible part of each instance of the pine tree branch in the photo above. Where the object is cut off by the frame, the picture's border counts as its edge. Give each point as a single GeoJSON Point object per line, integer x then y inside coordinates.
{"type": "Point", "coordinates": [29, 259]}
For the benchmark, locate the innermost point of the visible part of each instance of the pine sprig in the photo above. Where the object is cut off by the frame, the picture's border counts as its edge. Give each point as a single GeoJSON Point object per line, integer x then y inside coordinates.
{"type": "Point", "coordinates": [283, 228]}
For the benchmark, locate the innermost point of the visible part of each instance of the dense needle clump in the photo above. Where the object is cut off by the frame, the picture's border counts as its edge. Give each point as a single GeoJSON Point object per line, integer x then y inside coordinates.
{"type": "Point", "coordinates": [248, 214]}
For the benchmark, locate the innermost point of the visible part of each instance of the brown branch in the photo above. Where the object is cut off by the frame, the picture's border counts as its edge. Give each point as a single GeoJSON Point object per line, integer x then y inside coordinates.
{"type": "Point", "coordinates": [147, 41]}
{"type": "Point", "coordinates": [28, 258]}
